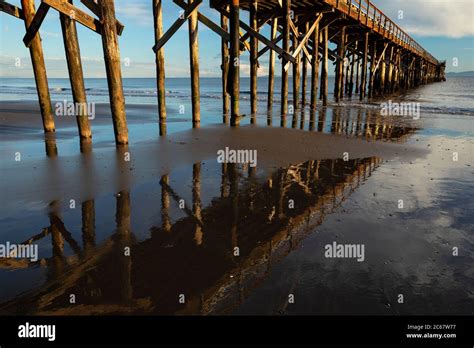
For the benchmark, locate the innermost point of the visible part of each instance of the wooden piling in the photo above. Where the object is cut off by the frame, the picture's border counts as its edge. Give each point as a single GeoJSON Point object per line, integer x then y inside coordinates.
{"type": "Point", "coordinates": [363, 76]}
{"type": "Point", "coordinates": [194, 65]}
{"type": "Point", "coordinates": [383, 69]}
{"type": "Point", "coordinates": [225, 69]}
{"type": "Point", "coordinates": [234, 62]}
{"type": "Point", "coordinates": [39, 69]}
{"type": "Point", "coordinates": [271, 68]}
{"type": "Point", "coordinates": [315, 67]}
{"type": "Point", "coordinates": [338, 84]}
{"type": "Point", "coordinates": [351, 77]}
{"type": "Point", "coordinates": [324, 68]}
{"type": "Point", "coordinates": [113, 71]}
{"type": "Point", "coordinates": [286, 46]}
{"type": "Point", "coordinates": [160, 65]}
{"type": "Point", "coordinates": [296, 77]}
{"type": "Point", "coordinates": [304, 76]}
{"type": "Point", "coordinates": [388, 84]}
{"type": "Point", "coordinates": [76, 78]}
{"type": "Point", "coordinates": [373, 62]}
{"type": "Point", "coordinates": [253, 61]}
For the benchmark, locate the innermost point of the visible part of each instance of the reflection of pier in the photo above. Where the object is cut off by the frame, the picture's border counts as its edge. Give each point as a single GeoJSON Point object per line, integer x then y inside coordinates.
{"type": "Point", "coordinates": [195, 255]}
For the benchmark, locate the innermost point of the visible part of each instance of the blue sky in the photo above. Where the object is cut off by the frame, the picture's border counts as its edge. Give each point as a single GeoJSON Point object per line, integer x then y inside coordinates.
{"type": "Point", "coordinates": [445, 30]}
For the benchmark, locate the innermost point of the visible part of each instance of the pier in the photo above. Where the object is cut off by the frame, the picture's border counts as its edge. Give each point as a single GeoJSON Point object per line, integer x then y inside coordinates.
{"type": "Point", "coordinates": [373, 55]}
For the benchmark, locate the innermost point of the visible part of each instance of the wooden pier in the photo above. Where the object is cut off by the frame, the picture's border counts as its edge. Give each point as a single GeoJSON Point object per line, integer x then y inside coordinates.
{"type": "Point", "coordinates": [369, 46]}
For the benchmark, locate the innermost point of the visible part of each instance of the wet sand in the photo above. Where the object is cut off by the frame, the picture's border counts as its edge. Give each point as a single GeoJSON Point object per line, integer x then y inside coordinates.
{"type": "Point", "coordinates": [121, 203]}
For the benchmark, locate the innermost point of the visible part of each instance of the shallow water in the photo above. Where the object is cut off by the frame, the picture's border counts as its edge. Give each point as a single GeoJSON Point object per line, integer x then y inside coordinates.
{"type": "Point", "coordinates": [190, 250]}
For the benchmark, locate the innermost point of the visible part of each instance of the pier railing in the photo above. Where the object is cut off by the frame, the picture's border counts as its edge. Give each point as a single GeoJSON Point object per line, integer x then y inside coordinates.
{"type": "Point", "coordinates": [372, 17]}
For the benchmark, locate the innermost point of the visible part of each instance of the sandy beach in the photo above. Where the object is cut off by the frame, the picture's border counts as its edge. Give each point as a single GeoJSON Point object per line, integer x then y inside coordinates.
{"type": "Point", "coordinates": [136, 202]}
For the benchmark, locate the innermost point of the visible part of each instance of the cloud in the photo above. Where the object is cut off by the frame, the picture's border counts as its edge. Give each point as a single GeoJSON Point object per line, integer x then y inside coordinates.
{"type": "Point", "coordinates": [445, 18]}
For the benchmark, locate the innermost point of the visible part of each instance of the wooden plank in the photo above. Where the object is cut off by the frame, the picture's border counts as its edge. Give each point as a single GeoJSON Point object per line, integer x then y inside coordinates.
{"type": "Point", "coordinates": [11, 9]}
{"type": "Point", "coordinates": [93, 6]}
{"type": "Point", "coordinates": [177, 24]}
{"type": "Point", "coordinates": [253, 61]}
{"type": "Point", "coordinates": [79, 16]}
{"type": "Point", "coordinates": [286, 46]}
{"type": "Point", "coordinates": [35, 24]}
{"type": "Point", "coordinates": [225, 58]}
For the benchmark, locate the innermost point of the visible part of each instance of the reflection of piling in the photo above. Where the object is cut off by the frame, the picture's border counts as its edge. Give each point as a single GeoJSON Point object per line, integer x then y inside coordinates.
{"type": "Point", "coordinates": [88, 225]}
{"type": "Point", "coordinates": [198, 233]}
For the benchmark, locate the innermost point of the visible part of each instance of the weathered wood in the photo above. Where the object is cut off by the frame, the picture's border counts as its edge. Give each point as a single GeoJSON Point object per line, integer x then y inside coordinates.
{"type": "Point", "coordinates": [271, 68]}
{"type": "Point", "coordinates": [194, 65]}
{"type": "Point", "coordinates": [39, 69]}
{"type": "Point", "coordinates": [225, 70]}
{"type": "Point", "coordinates": [351, 78]}
{"type": "Point", "coordinates": [253, 60]}
{"type": "Point", "coordinates": [160, 65]}
{"type": "Point", "coordinates": [79, 16]}
{"type": "Point", "coordinates": [389, 84]}
{"type": "Point", "coordinates": [373, 62]}
{"type": "Point", "coordinates": [315, 67]}
{"type": "Point", "coordinates": [286, 46]}
{"type": "Point", "coordinates": [234, 62]}
{"type": "Point", "coordinates": [296, 77]}
{"type": "Point", "coordinates": [76, 77]}
{"type": "Point", "coordinates": [339, 70]}
{"type": "Point", "coordinates": [183, 17]}
{"type": "Point", "coordinates": [35, 23]}
{"type": "Point", "coordinates": [113, 71]}
{"type": "Point", "coordinates": [11, 9]}
{"type": "Point", "coordinates": [304, 77]}
{"type": "Point", "coordinates": [363, 77]}
{"type": "Point", "coordinates": [324, 68]}
{"type": "Point", "coordinates": [93, 6]}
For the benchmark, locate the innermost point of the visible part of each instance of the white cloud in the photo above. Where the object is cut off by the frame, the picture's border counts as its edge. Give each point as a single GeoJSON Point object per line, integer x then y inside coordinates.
{"type": "Point", "coordinates": [453, 19]}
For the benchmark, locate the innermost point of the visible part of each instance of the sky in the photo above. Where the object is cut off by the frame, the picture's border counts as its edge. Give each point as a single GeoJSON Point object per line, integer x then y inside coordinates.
{"type": "Point", "coordinates": [444, 29]}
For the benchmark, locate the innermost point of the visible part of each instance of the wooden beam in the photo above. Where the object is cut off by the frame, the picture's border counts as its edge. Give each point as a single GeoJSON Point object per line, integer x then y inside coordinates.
{"type": "Point", "coordinates": [79, 16]}
{"type": "Point", "coordinates": [11, 9]}
{"type": "Point", "coordinates": [266, 48]}
{"type": "Point", "coordinates": [207, 22]}
{"type": "Point", "coordinates": [305, 39]}
{"type": "Point", "coordinates": [324, 68]}
{"type": "Point", "coordinates": [93, 6]}
{"type": "Point", "coordinates": [264, 40]}
{"type": "Point", "coordinates": [35, 24]}
{"type": "Point", "coordinates": [363, 76]}
{"type": "Point", "coordinates": [177, 24]}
